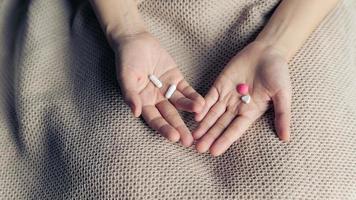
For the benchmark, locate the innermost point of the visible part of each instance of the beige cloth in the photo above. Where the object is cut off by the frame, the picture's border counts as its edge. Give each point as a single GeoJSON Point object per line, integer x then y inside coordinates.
{"type": "Point", "coordinates": [65, 132]}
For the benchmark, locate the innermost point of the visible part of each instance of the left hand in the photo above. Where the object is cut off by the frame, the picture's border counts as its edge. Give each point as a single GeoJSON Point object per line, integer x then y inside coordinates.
{"type": "Point", "coordinates": [225, 118]}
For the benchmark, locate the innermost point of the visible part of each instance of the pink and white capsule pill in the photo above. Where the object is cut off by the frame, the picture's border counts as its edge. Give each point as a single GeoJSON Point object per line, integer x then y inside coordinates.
{"type": "Point", "coordinates": [242, 88]}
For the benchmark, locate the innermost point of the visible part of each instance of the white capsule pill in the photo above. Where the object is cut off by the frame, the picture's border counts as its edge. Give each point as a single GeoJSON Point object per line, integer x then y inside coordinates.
{"type": "Point", "coordinates": [170, 91]}
{"type": "Point", "coordinates": [155, 80]}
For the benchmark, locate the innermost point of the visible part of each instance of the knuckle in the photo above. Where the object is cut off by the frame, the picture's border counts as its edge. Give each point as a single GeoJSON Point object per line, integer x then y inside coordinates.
{"type": "Point", "coordinates": [213, 111]}
{"type": "Point", "coordinates": [172, 115]}
{"type": "Point", "coordinates": [220, 126]}
{"type": "Point", "coordinates": [231, 113]}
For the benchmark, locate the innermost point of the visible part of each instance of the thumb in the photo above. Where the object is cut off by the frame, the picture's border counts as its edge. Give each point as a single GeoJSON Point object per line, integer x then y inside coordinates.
{"type": "Point", "coordinates": [126, 79]}
{"type": "Point", "coordinates": [134, 101]}
{"type": "Point", "coordinates": [282, 109]}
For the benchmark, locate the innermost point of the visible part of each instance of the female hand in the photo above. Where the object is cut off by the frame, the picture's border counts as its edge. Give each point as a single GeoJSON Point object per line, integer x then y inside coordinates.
{"type": "Point", "coordinates": [137, 57]}
{"type": "Point", "coordinates": [225, 118]}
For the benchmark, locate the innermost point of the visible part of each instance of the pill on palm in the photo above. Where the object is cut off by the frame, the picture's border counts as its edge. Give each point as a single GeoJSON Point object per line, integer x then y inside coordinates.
{"type": "Point", "coordinates": [155, 80]}
{"type": "Point", "coordinates": [246, 99]}
{"type": "Point", "coordinates": [170, 91]}
{"type": "Point", "coordinates": [242, 88]}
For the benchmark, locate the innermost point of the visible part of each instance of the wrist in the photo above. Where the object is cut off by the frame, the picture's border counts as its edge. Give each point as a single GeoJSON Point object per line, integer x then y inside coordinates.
{"type": "Point", "coordinates": [118, 33]}
{"type": "Point", "coordinates": [118, 18]}
{"type": "Point", "coordinates": [277, 45]}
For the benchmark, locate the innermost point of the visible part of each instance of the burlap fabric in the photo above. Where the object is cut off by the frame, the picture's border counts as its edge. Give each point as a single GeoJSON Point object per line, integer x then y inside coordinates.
{"type": "Point", "coordinates": [65, 132]}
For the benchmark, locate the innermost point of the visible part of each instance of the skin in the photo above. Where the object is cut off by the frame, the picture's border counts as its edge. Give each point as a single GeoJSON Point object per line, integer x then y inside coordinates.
{"type": "Point", "coordinates": [225, 117]}
{"type": "Point", "coordinates": [222, 117]}
{"type": "Point", "coordinates": [263, 65]}
{"type": "Point", "coordinates": [139, 54]}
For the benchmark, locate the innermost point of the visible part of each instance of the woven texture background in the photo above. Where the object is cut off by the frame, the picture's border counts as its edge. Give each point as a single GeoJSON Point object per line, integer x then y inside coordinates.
{"type": "Point", "coordinates": [65, 132]}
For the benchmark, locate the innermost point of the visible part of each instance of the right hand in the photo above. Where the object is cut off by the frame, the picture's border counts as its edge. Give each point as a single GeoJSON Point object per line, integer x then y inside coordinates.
{"type": "Point", "coordinates": [137, 57]}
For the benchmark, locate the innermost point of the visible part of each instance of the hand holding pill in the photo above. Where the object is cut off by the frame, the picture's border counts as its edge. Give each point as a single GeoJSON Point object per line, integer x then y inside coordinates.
{"type": "Point", "coordinates": [154, 87]}
{"type": "Point", "coordinates": [241, 94]}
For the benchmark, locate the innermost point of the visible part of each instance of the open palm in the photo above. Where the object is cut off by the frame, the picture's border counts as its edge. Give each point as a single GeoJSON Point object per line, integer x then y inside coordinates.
{"type": "Point", "coordinates": [139, 56]}
{"type": "Point", "coordinates": [225, 117]}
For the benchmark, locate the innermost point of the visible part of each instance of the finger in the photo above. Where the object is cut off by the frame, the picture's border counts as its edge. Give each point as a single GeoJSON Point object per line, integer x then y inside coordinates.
{"type": "Point", "coordinates": [207, 140]}
{"type": "Point", "coordinates": [127, 81]}
{"type": "Point", "coordinates": [282, 110]}
{"type": "Point", "coordinates": [189, 92]}
{"type": "Point", "coordinates": [238, 126]}
{"type": "Point", "coordinates": [172, 116]}
{"type": "Point", "coordinates": [210, 100]}
{"type": "Point", "coordinates": [134, 101]}
{"type": "Point", "coordinates": [155, 120]}
{"type": "Point", "coordinates": [183, 103]}
{"type": "Point", "coordinates": [214, 113]}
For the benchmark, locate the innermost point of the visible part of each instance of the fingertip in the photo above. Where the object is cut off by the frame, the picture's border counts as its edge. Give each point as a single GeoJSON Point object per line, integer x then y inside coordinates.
{"type": "Point", "coordinates": [215, 152]}
{"type": "Point", "coordinates": [218, 148]}
{"type": "Point", "coordinates": [194, 105]}
{"type": "Point", "coordinates": [186, 142]}
{"type": "Point", "coordinates": [197, 134]}
{"type": "Point", "coordinates": [135, 110]}
{"type": "Point", "coordinates": [201, 147]}
{"type": "Point", "coordinates": [186, 138]}
{"type": "Point", "coordinates": [282, 131]}
{"type": "Point", "coordinates": [197, 117]}
{"type": "Point", "coordinates": [197, 107]}
{"type": "Point", "coordinates": [135, 104]}
{"type": "Point", "coordinates": [282, 127]}
{"type": "Point", "coordinates": [282, 109]}
{"type": "Point", "coordinates": [200, 115]}
{"type": "Point", "coordinates": [137, 114]}
{"type": "Point", "coordinates": [284, 136]}
{"type": "Point", "coordinates": [201, 103]}
{"type": "Point", "coordinates": [203, 112]}
{"type": "Point", "coordinates": [173, 137]}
